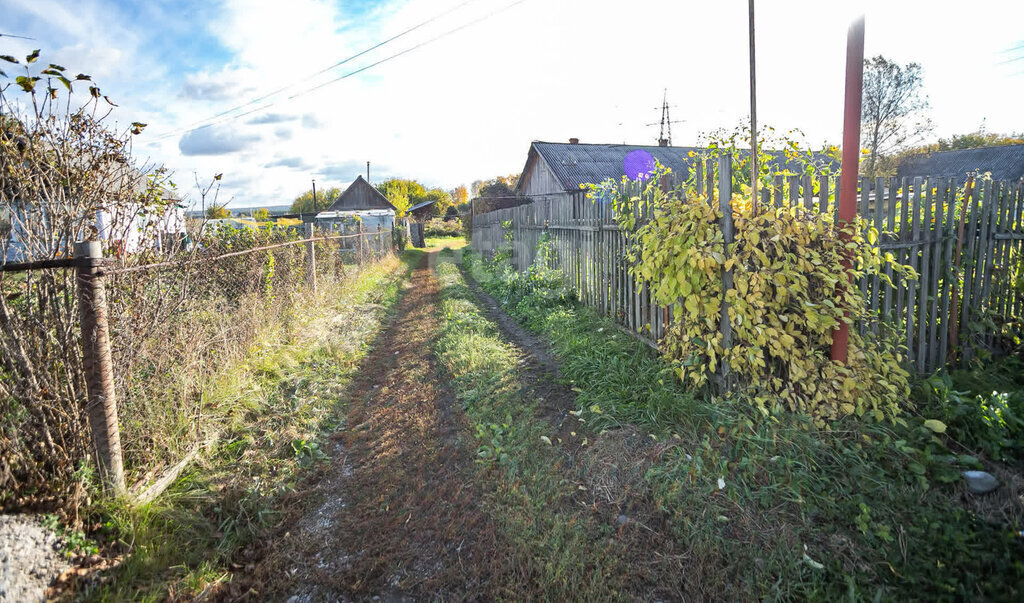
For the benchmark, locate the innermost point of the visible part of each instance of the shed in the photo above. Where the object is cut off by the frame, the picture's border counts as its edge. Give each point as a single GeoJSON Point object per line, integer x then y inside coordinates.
{"type": "Point", "coordinates": [360, 200]}
{"type": "Point", "coordinates": [422, 211]}
{"type": "Point", "coordinates": [1004, 162]}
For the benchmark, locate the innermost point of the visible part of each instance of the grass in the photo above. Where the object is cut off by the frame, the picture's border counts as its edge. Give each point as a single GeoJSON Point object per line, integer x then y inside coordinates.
{"type": "Point", "coordinates": [276, 408]}
{"type": "Point", "coordinates": [772, 508]}
{"type": "Point", "coordinates": [434, 243]}
{"type": "Point", "coordinates": [559, 549]}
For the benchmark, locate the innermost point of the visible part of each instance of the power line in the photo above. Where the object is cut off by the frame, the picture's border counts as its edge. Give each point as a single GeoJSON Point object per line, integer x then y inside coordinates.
{"type": "Point", "coordinates": [3, 35]}
{"type": "Point", "coordinates": [408, 50]}
{"type": "Point", "coordinates": [351, 73]}
{"type": "Point", "coordinates": [198, 124]}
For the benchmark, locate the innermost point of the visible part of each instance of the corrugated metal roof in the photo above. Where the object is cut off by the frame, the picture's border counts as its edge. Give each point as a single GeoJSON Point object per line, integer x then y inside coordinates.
{"type": "Point", "coordinates": [361, 195]}
{"type": "Point", "coordinates": [576, 164]}
{"type": "Point", "coordinates": [419, 205]}
{"type": "Point", "coordinates": [1004, 162]}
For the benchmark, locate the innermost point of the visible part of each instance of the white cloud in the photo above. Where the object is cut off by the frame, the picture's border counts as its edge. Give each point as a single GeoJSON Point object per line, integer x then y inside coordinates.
{"type": "Point", "coordinates": [215, 140]}
{"type": "Point", "coordinates": [468, 105]}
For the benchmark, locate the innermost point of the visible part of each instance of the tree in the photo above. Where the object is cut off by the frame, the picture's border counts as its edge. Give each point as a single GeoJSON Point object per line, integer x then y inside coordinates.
{"type": "Point", "coordinates": [892, 114]}
{"type": "Point", "coordinates": [496, 187]}
{"type": "Point", "coordinates": [217, 212]}
{"type": "Point", "coordinates": [460, 195]}
{"type": "Point", "coordinates": [402, 193]}
{"type": "Point", "coordinates": [261, 215]}
{"type": "Point", "coordinates": [303, 204]}
{"type": "Point", "coordinates": [980, 138]}
{"type": "Point", "coordinates": [442, 199]}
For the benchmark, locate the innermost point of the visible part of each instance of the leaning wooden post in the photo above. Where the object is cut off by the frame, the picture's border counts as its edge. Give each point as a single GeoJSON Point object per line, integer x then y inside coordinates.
{"type": "Point", "coordinates": [728, 235]}
{"type": "Point", "coordinates": [310, 256]}
{"type": "Point", "coordinates": [101, 408]}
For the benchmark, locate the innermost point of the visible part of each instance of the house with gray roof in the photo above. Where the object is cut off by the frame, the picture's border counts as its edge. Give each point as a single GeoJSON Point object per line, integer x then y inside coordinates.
{"type": "Point", "coordinates": [1004, 162]}
{"type": "Point", "coordinates": [363, 202]}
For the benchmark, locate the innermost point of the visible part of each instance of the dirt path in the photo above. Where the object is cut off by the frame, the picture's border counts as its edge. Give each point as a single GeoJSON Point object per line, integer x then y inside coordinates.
{"type": "Point", "coordinates": [402, 514]}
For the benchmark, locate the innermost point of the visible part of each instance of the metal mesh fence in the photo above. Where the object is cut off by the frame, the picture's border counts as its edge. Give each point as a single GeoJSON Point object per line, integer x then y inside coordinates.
{"type": "Point", "coordinates": [180, 318]}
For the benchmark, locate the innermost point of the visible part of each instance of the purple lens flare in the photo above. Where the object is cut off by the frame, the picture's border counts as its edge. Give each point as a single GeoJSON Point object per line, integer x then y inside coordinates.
{"type": "Point", "coordinates": [638, 165]}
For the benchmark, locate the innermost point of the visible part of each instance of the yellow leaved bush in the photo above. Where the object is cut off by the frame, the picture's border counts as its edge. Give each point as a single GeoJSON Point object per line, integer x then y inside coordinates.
{"type": "Point", "coordinates": [790, 291]}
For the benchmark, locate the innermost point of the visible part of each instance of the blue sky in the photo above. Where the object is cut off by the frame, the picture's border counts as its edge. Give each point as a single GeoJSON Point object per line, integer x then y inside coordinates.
{"type": "Point", "coordinates": [467, 106]}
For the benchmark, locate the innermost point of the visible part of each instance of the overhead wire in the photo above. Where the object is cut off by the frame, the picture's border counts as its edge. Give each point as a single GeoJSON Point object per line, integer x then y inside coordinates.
{"type": "Point", "coordinates": [198, 124]}
{"type": "Point", "coordinates": [228, 118]}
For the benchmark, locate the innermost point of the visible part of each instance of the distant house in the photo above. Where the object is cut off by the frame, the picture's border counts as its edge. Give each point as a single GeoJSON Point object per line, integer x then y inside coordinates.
{"type": "Point", "coordinates": [558, 169]}
{"type": "Point", "coordinates": [128, 228]}
{"type": "Point", "coordinates": [1005, 163]}
{"type": "Point", "coordinates": [361, 203]}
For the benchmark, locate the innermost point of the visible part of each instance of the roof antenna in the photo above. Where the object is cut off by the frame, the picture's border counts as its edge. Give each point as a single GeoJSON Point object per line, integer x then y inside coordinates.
{"type": "Point", "coordinates": [665, 134]}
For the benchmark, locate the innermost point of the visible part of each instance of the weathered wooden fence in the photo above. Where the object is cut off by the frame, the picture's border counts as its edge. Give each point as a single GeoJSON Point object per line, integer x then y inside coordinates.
{"type": "Point", "coordinates": [965, 239]}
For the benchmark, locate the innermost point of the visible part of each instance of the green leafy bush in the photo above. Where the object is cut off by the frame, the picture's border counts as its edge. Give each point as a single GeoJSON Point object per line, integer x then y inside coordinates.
{"type": "Point", "coordinates": [438, 227]}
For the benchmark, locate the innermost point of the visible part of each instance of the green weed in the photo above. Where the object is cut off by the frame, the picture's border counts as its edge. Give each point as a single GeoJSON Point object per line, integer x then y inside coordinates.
{"type": "Point", "coordinates": [772, 507]}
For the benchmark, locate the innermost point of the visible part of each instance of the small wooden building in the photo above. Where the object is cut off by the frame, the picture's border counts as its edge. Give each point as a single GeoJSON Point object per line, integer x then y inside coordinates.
{"type": "Point", "coordinates": [360, 203]}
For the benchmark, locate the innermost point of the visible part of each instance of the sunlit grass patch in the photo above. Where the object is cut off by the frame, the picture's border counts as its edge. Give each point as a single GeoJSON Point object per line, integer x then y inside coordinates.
{"type": "Point", "coordinates": [434, 243]}
{"type": "Point", "coordinates": [272, 411]}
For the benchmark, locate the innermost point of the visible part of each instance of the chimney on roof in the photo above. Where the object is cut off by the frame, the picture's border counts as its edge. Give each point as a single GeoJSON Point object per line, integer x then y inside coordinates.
{"type": "Point", "coordinates": [662, 142]}
{"type": "Point", "coordinates": [574, 141]}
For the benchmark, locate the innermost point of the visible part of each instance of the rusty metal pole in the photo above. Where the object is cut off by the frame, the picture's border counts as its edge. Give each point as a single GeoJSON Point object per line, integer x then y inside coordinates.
{"type": "Point", "coordinates": [101, 408]}
{"type": "Point", "coordinates": [851, 159]}
{"type": "Point", "coordinates": [310, 257]}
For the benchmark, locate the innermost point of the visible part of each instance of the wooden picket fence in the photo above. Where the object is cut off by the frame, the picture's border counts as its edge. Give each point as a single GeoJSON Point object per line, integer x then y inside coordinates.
{"type": "Point", "coordinates": [965, 239]}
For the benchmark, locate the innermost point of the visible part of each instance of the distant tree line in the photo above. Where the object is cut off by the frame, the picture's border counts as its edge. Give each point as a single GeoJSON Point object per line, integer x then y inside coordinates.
{"type": "Point", "coordinates": [895, 123]}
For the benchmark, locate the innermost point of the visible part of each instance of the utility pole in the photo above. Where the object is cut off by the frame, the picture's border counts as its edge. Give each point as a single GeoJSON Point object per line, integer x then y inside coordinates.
{"type": "Point", "coordinates": [753, 112]}
{"type": "Point", "coordinates": [314, 196]}
{"type": "Point", "coordinates": [851, 158]}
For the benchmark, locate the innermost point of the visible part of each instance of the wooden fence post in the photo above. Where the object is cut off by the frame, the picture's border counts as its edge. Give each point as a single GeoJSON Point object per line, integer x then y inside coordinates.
{"type": "Point", "coordinates": [729, 235]}
{"type": "Point", "coordinates": [359, 241]}
{"type": "Point", "coordinates": [310, 256]}
{"type": "Point", "coordinates": [101, 408]}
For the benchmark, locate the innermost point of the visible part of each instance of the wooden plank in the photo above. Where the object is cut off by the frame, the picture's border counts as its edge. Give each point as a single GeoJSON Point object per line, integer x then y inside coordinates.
{"type": "Point", "coordinates": [925, 278]}
{"type": "Point", "coordinates": [865, 191]}
{"type": "Point", "coordinates": [988, 233]}
{"type": "Point", "coordinates": [876, 281]}
{"type": "Point", "coordinates": [974, 248]}
{"type": "Point", "coordinates": [1016, 249]}
{"type": "Point", "coordinates": [949, 273]}
{"type": "Point", "coordinates": [822, 194]}
{"type": "Point", "coordinates": [794, 192]}
{"type": "Point", "coordinates": [915, 203]}
{"type": "Point", "coordinates": [902, 234]}
{"type": "Point", "coordinates": [968, 263]}
{"type": "Point", "coordinates": [808, 192]}
{"type": "Point", "coordinates": [1002, 276]}
{"type": "Point", "coordinates": [889, 226]}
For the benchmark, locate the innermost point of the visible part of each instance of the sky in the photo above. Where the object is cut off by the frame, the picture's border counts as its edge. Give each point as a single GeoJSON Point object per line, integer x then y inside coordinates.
{"type": "Point", "coordinates": [252, 89]}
